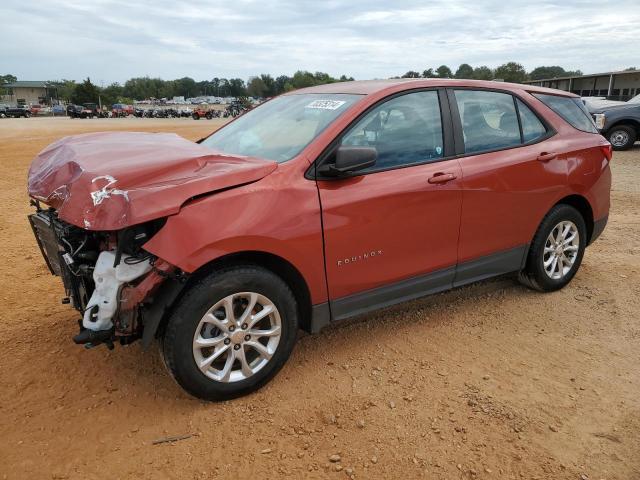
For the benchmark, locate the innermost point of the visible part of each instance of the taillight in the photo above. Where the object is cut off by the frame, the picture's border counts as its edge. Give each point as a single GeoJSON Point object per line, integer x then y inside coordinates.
{"type": "Point", "coordinates": [607, 151]}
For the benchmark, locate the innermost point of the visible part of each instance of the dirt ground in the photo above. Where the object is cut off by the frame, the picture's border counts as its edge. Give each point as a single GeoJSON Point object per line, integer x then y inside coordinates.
{"type": "Point", "coordinates": [489, 381]}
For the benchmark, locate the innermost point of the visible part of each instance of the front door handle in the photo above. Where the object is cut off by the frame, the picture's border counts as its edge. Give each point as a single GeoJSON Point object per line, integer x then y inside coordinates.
{"type": "Point", "coordinates": [546, 156]}
{"type": "Point", "coordinates": [442, 177]}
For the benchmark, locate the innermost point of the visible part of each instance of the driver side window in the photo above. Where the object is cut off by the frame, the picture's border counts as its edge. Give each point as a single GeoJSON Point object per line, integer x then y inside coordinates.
{"type": "Point", "coordinates": [405, 130]}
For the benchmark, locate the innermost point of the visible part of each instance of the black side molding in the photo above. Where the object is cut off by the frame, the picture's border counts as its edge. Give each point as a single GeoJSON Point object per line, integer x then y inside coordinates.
{"type": "Point", "coordinates": [490, 266]}
{"type": "Point", "coordinates": [402, 291]}
{"type": "Point", "coordinates": [508, 261]}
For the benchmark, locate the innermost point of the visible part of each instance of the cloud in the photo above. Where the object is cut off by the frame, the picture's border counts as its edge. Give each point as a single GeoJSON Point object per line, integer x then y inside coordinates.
{"type": "Point", "coordinates": [112, 40]}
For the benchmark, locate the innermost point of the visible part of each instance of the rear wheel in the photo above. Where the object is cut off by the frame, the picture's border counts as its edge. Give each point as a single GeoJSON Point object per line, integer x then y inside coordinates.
{"type": "Point", "coordinates": [622, 137]}
{"type": "Point", "coordinates": [556, 251]}
{"type": "Point", "coordinates": [231, 333]}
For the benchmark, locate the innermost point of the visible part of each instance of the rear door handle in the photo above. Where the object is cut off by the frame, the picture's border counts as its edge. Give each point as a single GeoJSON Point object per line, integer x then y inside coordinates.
{"type": "Point", "coordinates": [442, 177]}
{"type": "Point", "coordinates": [546, 156]}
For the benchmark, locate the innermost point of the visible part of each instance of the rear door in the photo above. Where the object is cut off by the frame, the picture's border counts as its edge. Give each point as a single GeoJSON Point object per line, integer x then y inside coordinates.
{"type": "Point", "coordinates": [512, 173]}
{"type": "Point", "coordinates": [391, 232]}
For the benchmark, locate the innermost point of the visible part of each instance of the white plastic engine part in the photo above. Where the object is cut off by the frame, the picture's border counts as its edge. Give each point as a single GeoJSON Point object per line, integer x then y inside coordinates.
{"type": "Point", "coordinates": [108, 281]}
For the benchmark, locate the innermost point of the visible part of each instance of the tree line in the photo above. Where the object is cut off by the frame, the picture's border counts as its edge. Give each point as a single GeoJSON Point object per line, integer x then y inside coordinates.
{"type": "Point", "coordinates": [265, 85]}
{"type": "Point", "coordinates": [142, 88]}
{"type": "Point", "coordinates": [509, 72]}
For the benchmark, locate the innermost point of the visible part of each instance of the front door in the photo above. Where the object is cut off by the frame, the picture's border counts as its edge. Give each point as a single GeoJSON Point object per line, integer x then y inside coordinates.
{"type": "Point", "coordinates": [391, 232]}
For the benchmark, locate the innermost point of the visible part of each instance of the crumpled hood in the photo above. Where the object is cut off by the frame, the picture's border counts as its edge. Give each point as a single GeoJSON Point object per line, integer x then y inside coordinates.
{"type": "Point", "coordinates": [108, 181]}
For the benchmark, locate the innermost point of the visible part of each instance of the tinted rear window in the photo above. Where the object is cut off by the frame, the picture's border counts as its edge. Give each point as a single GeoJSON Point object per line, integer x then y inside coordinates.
{"type": "Point", "coordinates": [570, 109]}
{"type": "Point", "coordinates": [532, 127]}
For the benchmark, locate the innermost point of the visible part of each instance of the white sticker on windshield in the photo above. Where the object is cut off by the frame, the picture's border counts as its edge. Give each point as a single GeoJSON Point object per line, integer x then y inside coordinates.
{"type": "Point", "coordinates": [326, 104]}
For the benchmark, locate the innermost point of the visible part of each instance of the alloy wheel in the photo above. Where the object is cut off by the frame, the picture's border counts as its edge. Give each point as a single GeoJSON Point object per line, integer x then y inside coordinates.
{"type": "Point", "coordinates": [237, 337]}
{"type": "Point", "coordinates": [561, 249]}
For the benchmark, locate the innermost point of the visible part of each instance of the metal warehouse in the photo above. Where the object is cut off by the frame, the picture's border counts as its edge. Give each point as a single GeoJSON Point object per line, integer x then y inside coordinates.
{"type": "Point", "coordinates": [620, 85]}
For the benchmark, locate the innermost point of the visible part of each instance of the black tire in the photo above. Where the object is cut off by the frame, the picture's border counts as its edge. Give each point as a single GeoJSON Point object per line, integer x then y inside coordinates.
{"type": "Point", "coordinates": [534, 275]}
{"type": "Point", "coordinates": [622, 137]}
{"type": "Point", "coordinates": [177, 344]}
{"type": "Point", "coordinates": [27, 114]}
{"type": "Point", "coordinates": [196, 116]}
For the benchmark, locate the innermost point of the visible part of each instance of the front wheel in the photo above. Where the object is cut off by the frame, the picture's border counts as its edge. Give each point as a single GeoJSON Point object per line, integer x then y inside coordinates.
{"type": "Point", "coordinates": [622, 137]}
{"type": "Point", "coordinates": [556, 251]}
{"type": "Point", "coordinates": [231, 333]}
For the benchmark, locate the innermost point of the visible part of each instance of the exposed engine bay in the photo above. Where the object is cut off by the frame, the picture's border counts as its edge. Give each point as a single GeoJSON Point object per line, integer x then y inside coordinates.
{"type": "Point", "coordinates": [108, 277]}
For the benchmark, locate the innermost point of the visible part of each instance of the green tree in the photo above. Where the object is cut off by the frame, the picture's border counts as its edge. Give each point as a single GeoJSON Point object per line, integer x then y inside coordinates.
{"type": "Point", "coordinates": [429, 73]}
{"type": "Point", "coordinates": [322, 78]}
{"type": "Point", "coordinates": [112, 94]}
{"type": "Point", "coordinates": [511, 72]}
{"type": "Point", "coordinates": [85, 92]}
{"type": "Point", "coordinates": [482, 73]}
{"type": "Point", "coordinates": [225, 89]}
{"type": "Point", "coordinates": [411, 74]}
{"type": "Point", "coordinates": [6, 79]}
{"type": "Point", "coordinates": [64, 88]}
{"type": "Point", "coordinates": [302, 79]}
{"type": "Point", "coordinates": [237, 87]}
{"type": "Point", "coordinates": [539, 73]}
{"type": "Point", "coordinates": [184, 87]}
{"type": "Point", "coordinates": [256, 87]}
{"type": "Point", "coordinates": [464, 71]}
{"type": "Point", "coordinates": [269, 85]}
{"type": "Point", "coordinates": [344, 78]}
{"type": "Point", "coordinates": [444, 72]}
{"type": "Point", "coordinates": [283, 84]}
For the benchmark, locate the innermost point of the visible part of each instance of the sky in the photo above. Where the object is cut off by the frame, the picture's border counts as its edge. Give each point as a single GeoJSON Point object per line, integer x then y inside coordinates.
{"type": "Point", "coordinates": [113, 40]}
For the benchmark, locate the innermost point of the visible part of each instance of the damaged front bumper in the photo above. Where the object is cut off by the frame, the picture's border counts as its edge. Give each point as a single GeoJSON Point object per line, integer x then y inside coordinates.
{"type": "Point", "coordinates": [107, 277]}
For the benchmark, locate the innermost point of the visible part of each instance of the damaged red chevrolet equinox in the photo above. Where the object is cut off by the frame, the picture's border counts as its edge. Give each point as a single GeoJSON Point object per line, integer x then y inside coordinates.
{"type": "Point", "coordinates": [319, 205]}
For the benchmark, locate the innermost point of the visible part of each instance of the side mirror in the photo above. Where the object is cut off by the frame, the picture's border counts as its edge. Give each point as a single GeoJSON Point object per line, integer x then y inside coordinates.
{"type": "Point", "coordinates": [351, 159]}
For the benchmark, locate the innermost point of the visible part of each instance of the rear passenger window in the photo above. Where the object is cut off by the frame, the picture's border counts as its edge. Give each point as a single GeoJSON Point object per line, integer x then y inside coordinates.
{"type": "Point", "coordinates": [570, 109]}
{"type": "Point", "coordinates": [404, 130]}
{"type": "Point", "coordinates": [532, 127]}
{"type": "Point", "coordinates": [489, 120]}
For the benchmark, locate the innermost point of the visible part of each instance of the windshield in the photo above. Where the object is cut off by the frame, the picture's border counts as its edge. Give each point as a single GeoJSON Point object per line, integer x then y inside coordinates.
{"type": "Point", "coordinates": [279, 129]}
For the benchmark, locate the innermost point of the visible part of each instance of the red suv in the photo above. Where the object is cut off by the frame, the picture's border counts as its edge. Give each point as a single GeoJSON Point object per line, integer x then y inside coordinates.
{"type": "Point", "coordinates": [318, 205]}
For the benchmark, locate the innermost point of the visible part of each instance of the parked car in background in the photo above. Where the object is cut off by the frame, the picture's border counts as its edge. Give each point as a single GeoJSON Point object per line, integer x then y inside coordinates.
{"type": "Point", "coordinates": [599, 102]}
{"type": "Point", "coordinates": [3, 110]}
{"type": "Point", "coordinates": [35, 109]}
{"type": "Point", "coordinates": [121, 110]}
{"type": "Point", "coordinates": [74, 111]}
{"type": "Point", "coordinates": [620, 123]}
{"type": "Point", "coordinates": [200, 112]}
{"type": "Point", "coordinates": [93, 110]}
{"type": "Point", "coordinates": [319, 205]}
{"type": "Point", "coordinates": [58, 110]}
{"type": "Point", "coordinates": [19, 111]}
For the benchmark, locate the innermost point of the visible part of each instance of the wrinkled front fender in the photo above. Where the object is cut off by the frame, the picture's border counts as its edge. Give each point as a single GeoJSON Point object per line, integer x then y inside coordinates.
{"type": "Point", "coordinates": [279, 215]}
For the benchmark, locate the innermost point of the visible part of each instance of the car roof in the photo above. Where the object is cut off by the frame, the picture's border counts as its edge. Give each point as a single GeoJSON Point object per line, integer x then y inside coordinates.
{"type": "Point", "coordinates": [368, 87]}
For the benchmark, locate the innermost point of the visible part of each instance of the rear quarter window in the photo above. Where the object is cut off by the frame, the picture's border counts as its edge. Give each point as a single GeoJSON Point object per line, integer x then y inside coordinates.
{"type": "Point", "coordinates": [570, 109]}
